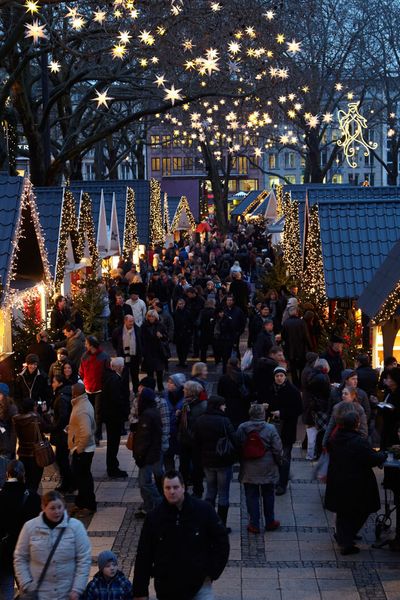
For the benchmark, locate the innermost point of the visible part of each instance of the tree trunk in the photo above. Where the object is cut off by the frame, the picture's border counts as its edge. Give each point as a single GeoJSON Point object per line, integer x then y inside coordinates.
{"type": "Point", "coordinates": [220, 195]}
{"type": "Point", "coordinates": [313, 172]}
{"type": "Point", "coordinates": [75, 165]}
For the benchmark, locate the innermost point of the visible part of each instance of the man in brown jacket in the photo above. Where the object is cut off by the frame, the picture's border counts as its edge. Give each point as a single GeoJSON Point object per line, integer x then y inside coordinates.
{"type": "Point", "coordinates": [81, 444]}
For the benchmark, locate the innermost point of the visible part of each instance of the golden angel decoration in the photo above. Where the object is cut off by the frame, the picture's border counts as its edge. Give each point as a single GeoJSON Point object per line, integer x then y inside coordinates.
{"type": "Point", "coordinates": [352, 125]}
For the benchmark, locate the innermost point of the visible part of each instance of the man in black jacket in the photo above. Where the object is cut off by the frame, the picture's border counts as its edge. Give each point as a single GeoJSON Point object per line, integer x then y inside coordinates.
{"type": "Point", "coordinates": [115, 411]}
{"type": "Point", "coordinates": [296, 343]}
{"type": "Point", "coordinates": [265, 340]}
{"type": "Point", "coordinates": [183, 544]}
{"type": "Point", "coordinates": [285, 406]}
{"type": "Point", "coordinates": [211, 427]}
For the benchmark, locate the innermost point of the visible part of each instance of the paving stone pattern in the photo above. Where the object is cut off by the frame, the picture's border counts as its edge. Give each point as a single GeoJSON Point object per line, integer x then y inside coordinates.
{"type": "Point", "coordinates": [299, 561]}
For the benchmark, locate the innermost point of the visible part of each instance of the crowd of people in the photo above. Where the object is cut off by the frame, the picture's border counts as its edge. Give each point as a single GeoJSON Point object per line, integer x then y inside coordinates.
{"type": "Point", "coordinates": [201, 300]}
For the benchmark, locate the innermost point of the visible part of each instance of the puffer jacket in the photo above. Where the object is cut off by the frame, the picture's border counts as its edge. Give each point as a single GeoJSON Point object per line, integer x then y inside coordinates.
{"type": "Point", "coordinates": [117, 588]}
{"type": "Point", "coordinates": [266, 468]}
{"type": "Point", "coordinates": [69, 567]}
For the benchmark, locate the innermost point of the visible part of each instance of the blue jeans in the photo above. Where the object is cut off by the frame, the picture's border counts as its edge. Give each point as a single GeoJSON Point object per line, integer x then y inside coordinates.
{"type": "Point", "coordinates": [252, 492]}
{"type": "Point", "coordinates": [218, 481]}
{"type": "Point", "coordinates": [6, 585]}
{"type": "Point", "coordinates": [205, 592]}
{"type": "Point", "coordinates": [148, 489]}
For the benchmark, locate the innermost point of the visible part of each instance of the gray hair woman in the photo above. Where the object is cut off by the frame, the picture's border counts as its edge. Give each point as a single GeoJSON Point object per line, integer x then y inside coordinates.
{"type": "Point", "coordinates": [259, 467]}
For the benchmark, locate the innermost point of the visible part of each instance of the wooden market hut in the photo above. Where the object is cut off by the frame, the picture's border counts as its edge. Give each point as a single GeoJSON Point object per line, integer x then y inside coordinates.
{"type": "Point", "coordinates": [24, 269]}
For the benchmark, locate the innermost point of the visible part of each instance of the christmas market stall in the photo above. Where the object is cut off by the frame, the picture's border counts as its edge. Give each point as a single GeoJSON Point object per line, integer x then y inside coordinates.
{"type": "Point", "coordinates": [348, 233]}
{"type": "Point", "coordinates": [266, 211]}
{"type": "Point", "coordinates": [380, 301]}
{"type": "Point", "coordinates": [247, 204]}
{"type": "Point", "coordinates": [24, 268]}
{"type": "Point", "coordinates": [65, 247]}
{"type": "Point", "coordinates": [127, 215]}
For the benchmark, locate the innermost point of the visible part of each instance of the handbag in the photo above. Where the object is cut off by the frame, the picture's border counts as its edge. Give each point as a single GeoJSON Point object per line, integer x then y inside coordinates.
{"type": "Point", "coordinates": [130, 442]}
{"type": "Point", "coordinates": [34, 594]}
{"type": "Point", "coordinates": [224, 447]}
{"type": "Point", "coordinates": [42, 450]}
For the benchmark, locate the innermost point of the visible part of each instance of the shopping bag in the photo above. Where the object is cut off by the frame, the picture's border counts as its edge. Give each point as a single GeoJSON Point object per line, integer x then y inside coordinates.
{"type": "Point", "coordinates": [247, 360]}
{"type": "Point", "coordinates": [321, 468]}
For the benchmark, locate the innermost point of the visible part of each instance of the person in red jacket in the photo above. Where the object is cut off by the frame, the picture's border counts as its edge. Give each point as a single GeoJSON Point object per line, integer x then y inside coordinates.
{"type": "Point", "coordinates": [91, 371]}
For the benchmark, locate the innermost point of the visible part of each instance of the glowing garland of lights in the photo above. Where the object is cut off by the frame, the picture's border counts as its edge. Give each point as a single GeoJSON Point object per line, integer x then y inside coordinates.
{"type": "Point", "coordinates": [389, 307]}
{"type": "Point", "coordinates": [166, 220]}
{"type": "Point", "coordinates": [183, 206]}
{"type": "Point", "coordinates": [13, 297]}
{"type": "Point", "coordinates": [291, 237]}
{"type": "Point", "coordinates": [156, 233]}
{"type": "Point", "coordinates": [313, 281]}
{"type": "Point", "coordinates": [279, 200]}
{"type": "Point", "coordinates": [255, 203]}
{"type": "Point", "coordinates": [68, 228]}
{"type": "Point", "coordinates": [351, 124]}
{"type": "Point", "coordinates": [86, 228]}
{"type": "Point", "coordinates": [131, 240]}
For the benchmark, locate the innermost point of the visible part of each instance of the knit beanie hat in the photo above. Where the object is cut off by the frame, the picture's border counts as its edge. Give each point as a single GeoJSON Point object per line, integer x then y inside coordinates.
{"type": "Point", "coordinates": [104, 557]}
{"type": "Point", "coordinates": [178, 380]}
{"type": "Point", "coordinates": [4, 389]}
{"type": "Point", "coordinates": [31, 359]}
{"type": "Point", "coordinates": [148, 382]}
{"type": "Point", "coordinates": [348, 373]}
{"type": "Point", "coordinates": [279, 370]}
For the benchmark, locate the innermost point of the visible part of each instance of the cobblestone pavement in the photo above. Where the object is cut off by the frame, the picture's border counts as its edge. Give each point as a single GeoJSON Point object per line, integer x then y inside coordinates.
{"type": "Point", "coordinates": [299, 561]}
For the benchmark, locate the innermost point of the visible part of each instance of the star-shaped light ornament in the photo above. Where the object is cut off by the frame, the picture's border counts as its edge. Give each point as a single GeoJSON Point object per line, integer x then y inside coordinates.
{"type": "Point", "coordinates": [118, 51]}
{"type": "Point", "coordinates": [313, 121]}
{"type": "Point", "coordinates": [54, 66]}
{"type": "Point", "coordinates": [99, 16]}
{"type": "Point", "coordinates": [327, 118]}
{"type": "Point", "coordinates": [293, 46]}
{"type": "Point", "coordinates": [32, 6]}
{"type": "Point", "coordinates": [172, 94]}
{"type": "Point", "coordinates": [124, 37]}
{"type": "Point", "coordinates": [187, 45]}
{"type": "Point", "coordinates": [233, 48]}
{"type": "Point", "coordinates": [102, 99]}
{"type": "Point", "coordinates": [280, 38]}
{"type": "Point", "coordinates": [216, 6]}
{"type": "Point", "coordinates": [35, 31]}
{"type": "Point", "coordinates": [146, 38]}
{"type": "Point", "coordinates": [339, 87]}
{"type": "Point", "coordinates": [258, 152]}
{"type": "Point", "coordinates": [269, 15]}
{"type": "Point", "coordinates": [77, 22]}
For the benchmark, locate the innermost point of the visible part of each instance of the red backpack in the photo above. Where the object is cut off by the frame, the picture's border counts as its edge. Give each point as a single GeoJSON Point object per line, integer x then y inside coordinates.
{"type": "Point", "coordinates": [254, 446]}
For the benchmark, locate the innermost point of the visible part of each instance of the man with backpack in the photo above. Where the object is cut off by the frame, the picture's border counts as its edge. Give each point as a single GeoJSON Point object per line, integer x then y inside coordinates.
{"type": "Point", "coordinates": [261, 455]}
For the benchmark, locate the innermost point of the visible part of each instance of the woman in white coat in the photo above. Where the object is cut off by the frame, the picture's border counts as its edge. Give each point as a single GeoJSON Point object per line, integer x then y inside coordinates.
{"type": "Point", "coordinates": [68, 572]}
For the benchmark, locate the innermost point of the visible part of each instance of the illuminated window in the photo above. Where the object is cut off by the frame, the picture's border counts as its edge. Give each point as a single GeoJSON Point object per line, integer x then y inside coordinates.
{"type": "Point", "coordinates": [272, 161]}
{"type": "Point", "coordinates": [166, 166]}
{"type": "Point", "coordinates": [337, 178]}
{"type": "Point", "coordinates": [155, 164]}
{"type": "Point", "coordinates": [247, 185]}
{"type": "Point", "coordinates": [177, 163]}
{"type": "Point", "coordinates": [155, 140]}
{"type": "Point", "coordinates": [166, 141]}
{"type": "Point", "coordinates": [290, 160]}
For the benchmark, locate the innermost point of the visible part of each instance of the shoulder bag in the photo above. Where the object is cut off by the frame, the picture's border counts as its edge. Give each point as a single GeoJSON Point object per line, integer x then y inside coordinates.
{"type": "Point", "coordinates": [34, 595]}
{"type": "Point", "coordinates": [42, 450]}
{"type": "Point", "coordinates": [225, 448]}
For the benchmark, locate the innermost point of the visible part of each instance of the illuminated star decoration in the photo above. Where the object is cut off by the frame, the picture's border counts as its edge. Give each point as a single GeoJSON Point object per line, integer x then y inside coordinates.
{"type": "Point", "coordinates": [160, 80]}
{"type": "Point", "coordinates": [32, 6]}
{"type": "Point", "coordinates": [35, 31]}
{"type": "Point", "coordinates": [293, 46]}
{"type": "Point", "coordinates": [102, 98]}
{"type": "Point", "coordinates": [173, 95]}
{"type": "Point", "coordinates": [54, 66]}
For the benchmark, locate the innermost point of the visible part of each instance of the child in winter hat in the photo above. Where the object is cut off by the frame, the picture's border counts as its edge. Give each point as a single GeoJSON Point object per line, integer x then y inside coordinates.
{"type": "Point", "coordinates": [109, 581]}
